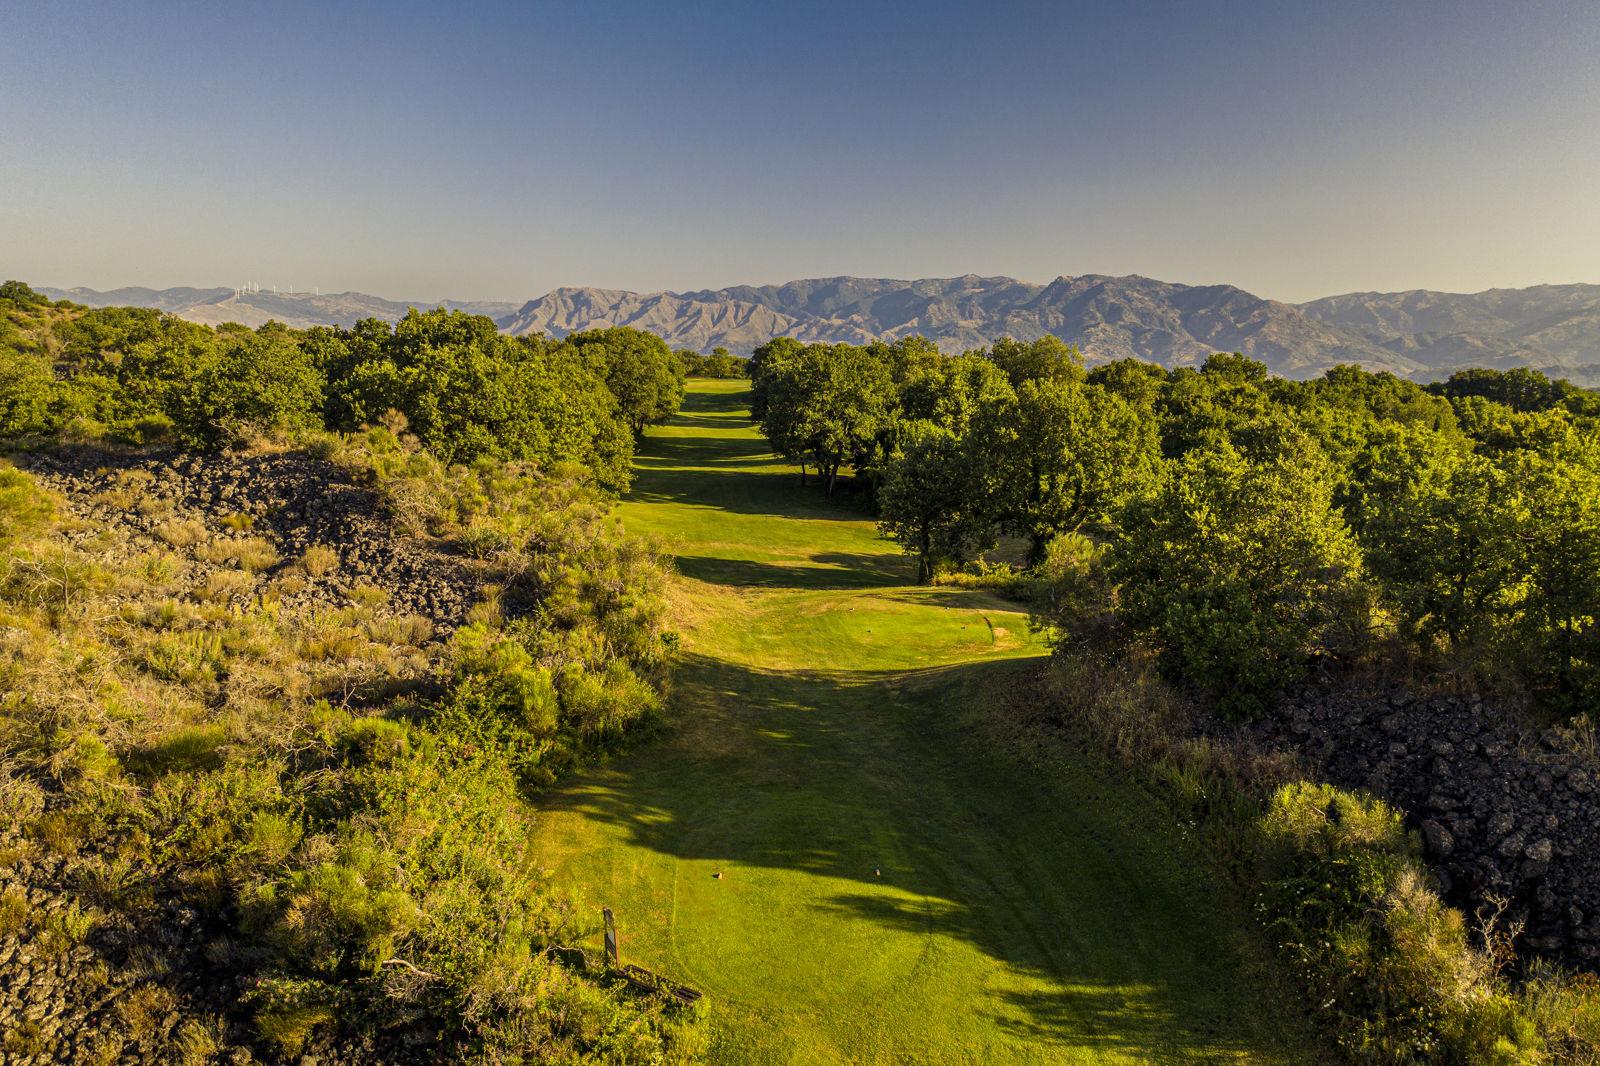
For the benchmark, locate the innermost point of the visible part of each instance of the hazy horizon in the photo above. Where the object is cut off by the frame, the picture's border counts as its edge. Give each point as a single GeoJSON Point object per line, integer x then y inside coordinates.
{"type": "Point", "coordinates": [471, 298]}
{"type": "Point", "coordinates": [507, 151]}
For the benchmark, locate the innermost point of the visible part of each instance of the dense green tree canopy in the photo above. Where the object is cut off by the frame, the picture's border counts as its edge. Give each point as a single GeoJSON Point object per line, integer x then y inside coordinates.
{"type": "Point", "coordinates": [1066, 453]}
{"type": "Point", "coordinates": [638, 368]}
{"type": "Point", "coordinates": [1047, 357]}
{"type": "Point", "coordinates": [721, 363]}
{"type": "Point", "coordinates": [1431, 517]}
{"type": "Point", "coordinates": [932, 500]}
{"type": "Point", "coordinates": [1242, 571]}
{"type": "Point", "coordinates": [466, 390]}
{"type": "Point", "coordinates": [469, 391]}
{"type": "Point", "coordinates": [1256, 524]}
{"type": "Point", "coordinates": [827, 404]}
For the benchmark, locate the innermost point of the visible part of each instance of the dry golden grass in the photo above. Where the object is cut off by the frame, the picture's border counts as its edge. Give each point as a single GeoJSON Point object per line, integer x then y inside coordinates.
{"type": "Point", "coordinates": [408, 629]}
{"type": "Point", "coordinates": [182, 532]}
{"type": "Point", "coordinates": [155, 506]}
{"type": "Point", "coordinates": [127, 490]}
{"type": "Point", "coordinates": [366, 594]}
{"type": "Point", "coordinates": [220, 586]}
{"type": "Point", "coordinates": [318, 560]}
{"type": "Point", "coordinates": [251, 554]}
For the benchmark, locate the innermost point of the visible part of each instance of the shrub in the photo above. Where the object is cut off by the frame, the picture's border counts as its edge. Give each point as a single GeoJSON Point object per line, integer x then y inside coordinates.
{"type": "Point", "coordinates": [65, 928]}
{"type": "Point", "coordinates": [181, 532]}
{"type": "Point", "coordinates": [24, 508]}
{"type": "Point", "coordinates": [220, 586]}
{"type": "Point", "coordinates": [188, 749]}
{"type": "Point", "coordinates": [318, 560]}
{"type": "Point", "coordinates": [1390, 963]}
{"type": "Point", "coordinates": [250, 554]}
{"type": "Point", "coordinates": [27, 395]}
{"type": "Point", "coordinates": [14, 910]}
{"type": "Point", "coordinates": [374, 741]}
{"type": "Point", "coordinates": [288, 1011]}
{"type": "Point", "coordinates": [189, 658]}
{"type": "Point", "coordinates": [1072, 588]}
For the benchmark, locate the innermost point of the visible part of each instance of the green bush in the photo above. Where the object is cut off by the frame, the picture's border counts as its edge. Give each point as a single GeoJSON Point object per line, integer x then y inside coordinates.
{"type": "Point", "coordinates": [24, 507]}
{"type": "Point", "coordinates": [1391, 965]}
{"type": "Point", "coordinates": [253, 382]}
{"type": "Point", "coordinates": [1242, 571]}
{"type": "Point", "coordinates": [27, 394]}
{"type": "Point", "coordinates": [191, 748]}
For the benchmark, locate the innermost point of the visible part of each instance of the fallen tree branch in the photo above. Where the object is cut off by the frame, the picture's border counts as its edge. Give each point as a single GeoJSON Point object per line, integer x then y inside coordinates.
{"type": "Point", "coordinates": [410, 966]}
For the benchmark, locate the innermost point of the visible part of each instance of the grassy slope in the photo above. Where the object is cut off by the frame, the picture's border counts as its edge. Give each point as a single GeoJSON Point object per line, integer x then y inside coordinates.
{"type": "Point", "coordinates": [830, 723]}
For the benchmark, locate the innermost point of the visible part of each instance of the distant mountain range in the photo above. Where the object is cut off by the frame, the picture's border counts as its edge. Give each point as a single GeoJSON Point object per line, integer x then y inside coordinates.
{"type": "Point", "coordinates": [298, 309]}
{"type": "Point", "coordinates": [1420, 334]}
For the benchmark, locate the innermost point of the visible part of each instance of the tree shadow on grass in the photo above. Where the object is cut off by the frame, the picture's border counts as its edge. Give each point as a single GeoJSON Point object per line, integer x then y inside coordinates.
{"type": "Point", "coordinates": [1094, 1003]}
{"type": "Point", "coordinates": [958, 598]}
{"type": "Point", "coordinates": [834, 571]}
{"type": "Point", "coordinates": [658, 451]}
{"type": "Point", "coordinates": [711, 421]}
{"type": "Point", "coordinates": [734, 402]}
{"type": "Point", "coordinates": [884, 780]}
{"type": "Point", "coordinates": [776, 493]}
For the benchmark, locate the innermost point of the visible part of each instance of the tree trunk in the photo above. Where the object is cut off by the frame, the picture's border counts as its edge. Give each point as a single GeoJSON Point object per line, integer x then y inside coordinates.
{"type": "Point", "coordinates": [833, 476]}
{"type": "Point", "coordinates": [924, 564]}
{"type": "Point", "coordinates": [1037, 542]}
{"type": "Point", "coordinates": [802, 475]}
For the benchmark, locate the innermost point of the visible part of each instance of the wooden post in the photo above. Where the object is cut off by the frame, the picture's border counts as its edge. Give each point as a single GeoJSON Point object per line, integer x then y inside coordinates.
{"type": "Point", "coordinates": [611, 935]}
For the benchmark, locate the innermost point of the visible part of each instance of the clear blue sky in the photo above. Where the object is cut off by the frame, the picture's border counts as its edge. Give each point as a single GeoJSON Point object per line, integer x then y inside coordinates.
{"type": "Point", "coordinates": [498, 150]}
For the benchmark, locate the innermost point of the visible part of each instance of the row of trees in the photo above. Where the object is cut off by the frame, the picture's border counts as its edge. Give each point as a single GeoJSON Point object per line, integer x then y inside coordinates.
{"type": "Point", "coordinates": [1247, 525]}
{"type": "Point", "coordinates": [467, 390]}
{"type": "Point", "coordinates": [1014, 439]}
{"type": "Point", "coordinates": [719, 364]}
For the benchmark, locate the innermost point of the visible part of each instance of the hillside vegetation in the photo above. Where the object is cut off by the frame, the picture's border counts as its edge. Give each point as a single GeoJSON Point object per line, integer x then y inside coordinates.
{"type": "Point", "coordinates": [464, 389]}
{"type": "Point", "coordinates": [273, 713]}
{"type": "Point", "coordinates": [337, 699]}
{"type": "Point", "coordinates": [1230, 535]}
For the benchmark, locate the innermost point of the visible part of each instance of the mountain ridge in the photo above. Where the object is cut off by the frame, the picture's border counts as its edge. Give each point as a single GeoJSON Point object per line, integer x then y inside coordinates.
{"type": "Point", "coordinates": [214, 306]}
{"type": "Point", "coordinates": [1419, 333]}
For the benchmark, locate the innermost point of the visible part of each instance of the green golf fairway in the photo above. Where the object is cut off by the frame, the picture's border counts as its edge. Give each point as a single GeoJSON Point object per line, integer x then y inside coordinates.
{"type": "Point", "coordinates": [897, 883]}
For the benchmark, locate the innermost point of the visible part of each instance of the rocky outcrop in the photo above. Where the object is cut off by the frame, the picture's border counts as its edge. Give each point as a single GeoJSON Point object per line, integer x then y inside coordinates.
{"type": "Point", "coordinates": [81, 984]}
{"type": "Point", "coordinates": [295, 501]}
{"type": "Point", "coordinates": [1505, 810]}
{"type": "Point", "coordinates": [105, 955]}
{"type": "Point", "coordinates": [163, 984]}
